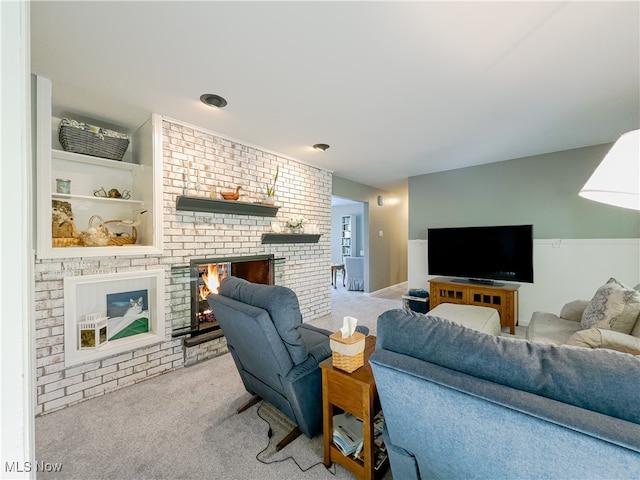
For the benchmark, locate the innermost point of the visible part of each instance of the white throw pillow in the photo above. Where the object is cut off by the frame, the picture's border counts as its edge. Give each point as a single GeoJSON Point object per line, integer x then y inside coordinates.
{"type": "Point", "coordinates": [613, 307]}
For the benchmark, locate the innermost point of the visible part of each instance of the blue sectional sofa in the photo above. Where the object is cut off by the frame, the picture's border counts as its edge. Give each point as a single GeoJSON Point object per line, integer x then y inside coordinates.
{"type": "Point", "coordinates": [459, 403]}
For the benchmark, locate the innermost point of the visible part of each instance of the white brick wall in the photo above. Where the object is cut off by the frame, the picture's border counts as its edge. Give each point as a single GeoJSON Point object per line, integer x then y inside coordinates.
{"type": "Point", "coordinates": [222, 164]}
{"type": "Point", "coordinates": [204, 351]}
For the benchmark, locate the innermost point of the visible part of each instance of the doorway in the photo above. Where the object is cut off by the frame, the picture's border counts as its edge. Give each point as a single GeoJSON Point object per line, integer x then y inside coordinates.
{"type": "Point", "coordinates": [350, 236]}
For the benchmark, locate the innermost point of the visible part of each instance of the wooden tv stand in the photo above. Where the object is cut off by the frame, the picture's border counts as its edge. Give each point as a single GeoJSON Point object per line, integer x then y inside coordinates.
{"type": "Point", "coordinates": [502, 296]}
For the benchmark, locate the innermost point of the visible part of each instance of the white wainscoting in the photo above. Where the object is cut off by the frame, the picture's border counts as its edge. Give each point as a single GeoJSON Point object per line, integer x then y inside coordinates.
{"type": "Point", "coordinates": [563, 270]}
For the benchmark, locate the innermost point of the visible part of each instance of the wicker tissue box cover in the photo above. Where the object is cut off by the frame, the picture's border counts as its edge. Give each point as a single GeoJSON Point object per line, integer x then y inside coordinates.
{"type": "Point", "coordinates": [348, 353]}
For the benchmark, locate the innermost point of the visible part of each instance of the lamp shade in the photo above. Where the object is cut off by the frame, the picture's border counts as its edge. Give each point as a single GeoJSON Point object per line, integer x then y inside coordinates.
{"type": "Point", "coordinates": [616, 181]}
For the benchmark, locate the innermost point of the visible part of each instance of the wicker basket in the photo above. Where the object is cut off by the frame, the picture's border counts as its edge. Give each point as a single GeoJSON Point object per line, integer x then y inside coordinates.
{"type": "Point", "coordinates": [66, 242]}
{"type": "Point", "coordinates": [348, 353]}
{"type": "Point", "coordinates": [78, 137]}
{"type": "Point", "coordinates": [63, 228]}
{"type": "Point", "coordinates": [120, 239]}
{"type": "Point", "coordinates": [96, 236]}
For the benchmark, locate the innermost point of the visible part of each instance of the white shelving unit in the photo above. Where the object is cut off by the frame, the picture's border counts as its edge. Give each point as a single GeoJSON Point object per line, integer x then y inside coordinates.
{"type": "Point", "coordinates": [347, 236]}
{"type": "Point", "coordinates": [140, 173]}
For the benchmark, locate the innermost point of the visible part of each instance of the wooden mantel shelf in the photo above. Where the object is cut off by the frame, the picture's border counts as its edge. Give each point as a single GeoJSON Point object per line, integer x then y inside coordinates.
{"type": "Point", "coordinates": [213, 205]}
{"type": "Point", "coordinates": [290, 238]}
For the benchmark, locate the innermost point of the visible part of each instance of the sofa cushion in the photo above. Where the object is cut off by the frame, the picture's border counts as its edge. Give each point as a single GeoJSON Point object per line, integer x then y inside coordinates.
{"type": "Point", "coordinates": [574, 310]}
{"type": "Point", "coordinates": [613, 307]}
{"type": "Point", "coordinates": [582, 377]}
{"type": "Point", "coordinates": [483, 319]}
{"type": "Point", "coordinates": [636, 329]}
{"type": "Point", "coordinates": [548, 328]}
{"type": "Point", "coordinates": [282, 305]}
{"type": "Point", "coordinates": [602, 338]}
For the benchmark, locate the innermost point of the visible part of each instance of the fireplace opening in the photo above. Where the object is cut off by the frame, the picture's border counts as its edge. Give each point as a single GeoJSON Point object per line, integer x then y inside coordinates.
{"type": "Point", "coordinates": [206, 275]}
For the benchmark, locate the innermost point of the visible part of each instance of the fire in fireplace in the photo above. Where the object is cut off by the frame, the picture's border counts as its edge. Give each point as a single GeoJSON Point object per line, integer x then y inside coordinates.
{"type": "Point", "coordinates": [209, 277]}
{"type": "Point", "coordinates": [206, 275]}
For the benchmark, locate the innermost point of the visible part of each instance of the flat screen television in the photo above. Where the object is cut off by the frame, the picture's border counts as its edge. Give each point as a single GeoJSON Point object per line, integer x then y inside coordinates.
{"type": "Point", "coordinates": [482, 254]}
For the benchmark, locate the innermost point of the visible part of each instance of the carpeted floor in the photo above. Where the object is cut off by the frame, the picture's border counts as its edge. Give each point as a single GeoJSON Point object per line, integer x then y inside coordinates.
{"type": "Point", "coordinates": [366, 308]}
{"type": "Point", "coordinates": [360, 305]}
{"type": "Point", "coordinates": [183, 425]}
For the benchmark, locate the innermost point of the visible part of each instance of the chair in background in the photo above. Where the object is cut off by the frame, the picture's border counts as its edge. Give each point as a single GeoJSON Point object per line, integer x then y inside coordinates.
{"type": "Point", "coordinates": [355, 273]}
{"type": "Point", "coordinates": [277, 355]}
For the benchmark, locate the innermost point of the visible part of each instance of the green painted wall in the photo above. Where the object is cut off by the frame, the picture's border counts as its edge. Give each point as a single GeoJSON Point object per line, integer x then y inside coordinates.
{"type": "Point", "coordinates": [541, 190]}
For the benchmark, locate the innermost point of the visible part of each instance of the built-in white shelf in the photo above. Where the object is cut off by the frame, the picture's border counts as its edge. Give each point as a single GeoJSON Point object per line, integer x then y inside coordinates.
{"type": "Point", "coordinates": [89, 160]}
{"type": "Point", "coordinates": [139, 174]}
{"type": "Point", "coordinates": [64, 196]}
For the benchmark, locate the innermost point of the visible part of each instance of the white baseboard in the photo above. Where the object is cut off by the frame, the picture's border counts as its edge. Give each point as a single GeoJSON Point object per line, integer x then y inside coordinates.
{"type": "Point", "coordinates": [402, 285]}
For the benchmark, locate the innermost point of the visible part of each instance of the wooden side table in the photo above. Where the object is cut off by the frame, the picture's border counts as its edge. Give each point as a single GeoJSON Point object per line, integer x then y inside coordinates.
{"type": "Point", "coordinates": [354, 393]}
{"type": "Point", "coordinates": [334, 274]}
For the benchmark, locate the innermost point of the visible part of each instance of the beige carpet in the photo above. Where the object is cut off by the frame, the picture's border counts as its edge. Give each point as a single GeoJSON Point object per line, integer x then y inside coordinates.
{"type": "Point", "coordinates": [306, 453]}
{"type": "Point", "coordinates": [183, 425]}
{"type": "Point", "coordinates": [366, 308]}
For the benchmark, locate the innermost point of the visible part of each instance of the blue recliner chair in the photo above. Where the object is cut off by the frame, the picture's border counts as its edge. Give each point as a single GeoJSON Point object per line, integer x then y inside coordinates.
{"type": "Point", "coordinates": [276, 354]}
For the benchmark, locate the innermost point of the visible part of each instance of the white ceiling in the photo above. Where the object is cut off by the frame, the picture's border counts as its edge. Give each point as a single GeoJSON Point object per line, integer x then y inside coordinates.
{"type": "Point", "coordinates": [396, 88]}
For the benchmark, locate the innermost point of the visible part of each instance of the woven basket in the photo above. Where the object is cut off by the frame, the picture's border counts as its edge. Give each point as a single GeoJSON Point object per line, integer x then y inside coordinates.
{"type": "Point", "coordinates": [96, 236]}
{"type": "Point", "coordinates": [66, 242]}
{"type": "Point", "coordinates": [78, 137]}
{"type": "Point", "coordinates": [348, 353]}
{"type": "Point", "coordinates": [63, 228]}
{"type": "Point", "coordinates": [120, 239]}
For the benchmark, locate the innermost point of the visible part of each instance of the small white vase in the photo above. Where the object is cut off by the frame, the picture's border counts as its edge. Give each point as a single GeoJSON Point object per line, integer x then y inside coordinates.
{"type": "Point", "coordinates": [269, 200]}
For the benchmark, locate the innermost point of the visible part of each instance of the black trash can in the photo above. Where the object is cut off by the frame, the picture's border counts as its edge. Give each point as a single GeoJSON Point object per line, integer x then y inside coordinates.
{"type": "Point", "coordinates": [417, 300]}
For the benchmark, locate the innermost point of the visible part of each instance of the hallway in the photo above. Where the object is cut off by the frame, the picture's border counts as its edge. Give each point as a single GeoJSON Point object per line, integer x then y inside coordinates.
{"type": "Point", "coordinates": [365, 307]}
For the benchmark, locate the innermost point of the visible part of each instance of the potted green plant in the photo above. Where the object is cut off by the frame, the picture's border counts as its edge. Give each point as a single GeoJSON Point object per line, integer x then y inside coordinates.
{"type": "Point", "coordinates": [271, 189]}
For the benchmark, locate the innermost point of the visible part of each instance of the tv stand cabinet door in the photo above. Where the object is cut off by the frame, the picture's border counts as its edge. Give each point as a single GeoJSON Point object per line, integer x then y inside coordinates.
{"type": "Point", "coordinates": [503, 298]}
{"type": "Point", "coordinates": [447, 292]}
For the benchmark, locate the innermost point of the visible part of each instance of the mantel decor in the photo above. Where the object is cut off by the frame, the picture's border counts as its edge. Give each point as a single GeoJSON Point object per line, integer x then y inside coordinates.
{"type": "Point", "coordinates": [212, 205]}
{"type": "Point", "coordinates": [271, 189]}
{"type": "Point", "coordinates": [295, 223]}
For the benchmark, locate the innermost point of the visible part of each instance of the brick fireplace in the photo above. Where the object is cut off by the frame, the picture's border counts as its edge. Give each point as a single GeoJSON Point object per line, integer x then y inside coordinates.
{"type": "Point", "coordinates": [194, 162]}
{"type": "Point", "coordinates": [206, 275]}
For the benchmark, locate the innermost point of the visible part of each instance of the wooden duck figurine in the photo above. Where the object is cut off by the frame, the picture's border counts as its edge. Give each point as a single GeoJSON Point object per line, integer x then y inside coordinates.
{"type": "Point", "coordinates": [231, 195]}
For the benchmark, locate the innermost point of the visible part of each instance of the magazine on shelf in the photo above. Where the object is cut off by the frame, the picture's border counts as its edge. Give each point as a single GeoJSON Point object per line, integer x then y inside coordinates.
{"type": "Point", "coordinates": [348, 433]}
{"type": "Point", "coordinates": [381, 456]}
{"type": "Point", "coordinates": [380, 453]}
{"type": "Point", "coordinates": [378, 440]}
{"type": "Point", "coordinates": [380, 449]}
{"type": "Point", "coordinates": [348, 437]}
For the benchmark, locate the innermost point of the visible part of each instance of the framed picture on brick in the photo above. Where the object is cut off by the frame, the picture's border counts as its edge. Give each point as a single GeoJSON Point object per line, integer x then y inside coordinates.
{"type": "Point", "coordinates": [128, 313]}
{"type": "Point", "coordinates": [129, 304]}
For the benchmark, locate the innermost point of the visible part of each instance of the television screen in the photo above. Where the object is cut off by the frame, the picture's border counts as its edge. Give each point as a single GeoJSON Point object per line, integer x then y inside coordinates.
{"type": "Point", "coordinates": [482, 253]}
